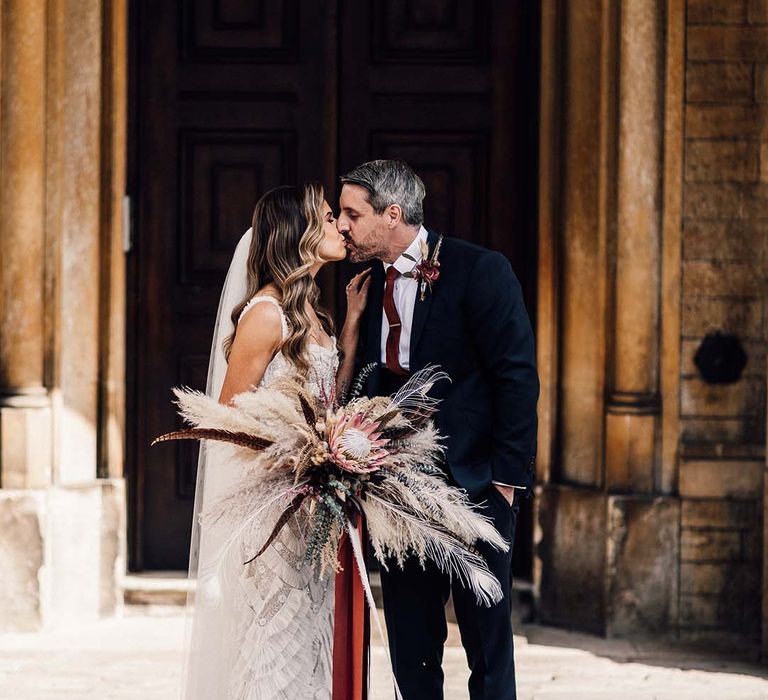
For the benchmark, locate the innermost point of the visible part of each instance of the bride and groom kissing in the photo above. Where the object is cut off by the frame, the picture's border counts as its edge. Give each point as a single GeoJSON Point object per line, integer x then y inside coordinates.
{"type": "Point", "coordinates": [424, 300]}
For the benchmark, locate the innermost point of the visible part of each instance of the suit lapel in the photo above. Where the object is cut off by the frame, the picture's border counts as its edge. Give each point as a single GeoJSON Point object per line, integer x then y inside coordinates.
{"type": "Point", "coordinates": [375, 311]}
{"type": "Point", "coordinates": [420, 309]}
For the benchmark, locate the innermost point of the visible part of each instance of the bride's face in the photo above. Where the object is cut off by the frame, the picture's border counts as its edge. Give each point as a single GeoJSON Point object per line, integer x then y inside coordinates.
{"type": "Point", "coordinates": [333, 246]}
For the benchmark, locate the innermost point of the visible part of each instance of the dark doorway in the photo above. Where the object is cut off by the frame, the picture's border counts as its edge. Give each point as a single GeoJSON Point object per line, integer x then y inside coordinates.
{"type": "Point", "coordinates": [231, 98]}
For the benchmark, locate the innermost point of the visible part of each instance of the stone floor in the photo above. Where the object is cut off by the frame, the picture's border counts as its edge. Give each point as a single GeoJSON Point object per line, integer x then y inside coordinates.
{"type": "Point", "coordinates": [136, 656]}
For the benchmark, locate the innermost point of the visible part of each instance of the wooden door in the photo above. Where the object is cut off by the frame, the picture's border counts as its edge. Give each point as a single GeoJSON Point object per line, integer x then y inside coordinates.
{"type": "Point", "coordinates": [230, 98]}
{"type": "Point", "coordinates": [452, 88]}
{"type": "Point", "coordinates": [229, 102]}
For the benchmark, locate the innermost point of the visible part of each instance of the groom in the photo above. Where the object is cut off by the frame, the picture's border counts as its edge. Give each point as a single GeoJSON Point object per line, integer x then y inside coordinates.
{"type": "Point", "coordinates": [446, 302]}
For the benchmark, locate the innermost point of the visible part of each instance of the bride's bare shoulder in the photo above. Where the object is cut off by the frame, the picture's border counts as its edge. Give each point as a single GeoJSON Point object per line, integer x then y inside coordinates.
{"type": "Point", "coordinates": [260, 324]}
{"type": "Point", "coordinates": [260, 310]}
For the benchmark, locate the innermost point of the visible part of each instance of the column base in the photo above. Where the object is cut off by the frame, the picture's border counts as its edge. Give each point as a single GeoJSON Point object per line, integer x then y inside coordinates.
{"type": "Point", "coordinates": [63, 553]}
{"type": "Point", "coordinates": [609, 563]}
{"type": "Point", "coordinates": [26, 447]}
{"type": "Point", "coordinates": [630, 445]}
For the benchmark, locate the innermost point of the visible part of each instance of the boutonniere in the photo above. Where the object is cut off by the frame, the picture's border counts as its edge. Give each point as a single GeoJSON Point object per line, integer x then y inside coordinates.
{"type": "Point", "coordinates": [428, 270]}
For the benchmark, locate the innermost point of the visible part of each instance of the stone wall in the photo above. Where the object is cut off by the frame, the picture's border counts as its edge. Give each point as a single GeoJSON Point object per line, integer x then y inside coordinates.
{"type": "Point", "coordinates": [653, 223]}
{"type": "Point", "coordinates": [724, 243]}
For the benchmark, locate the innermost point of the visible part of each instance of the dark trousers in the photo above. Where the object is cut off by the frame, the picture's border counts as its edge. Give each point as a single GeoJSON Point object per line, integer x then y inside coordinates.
{"type": "Point", "coordinates": [414, 607]}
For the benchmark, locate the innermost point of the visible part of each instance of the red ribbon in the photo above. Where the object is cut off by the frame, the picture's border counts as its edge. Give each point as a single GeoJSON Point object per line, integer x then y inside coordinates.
{"type": "Point", "coordinates": [350, 629]}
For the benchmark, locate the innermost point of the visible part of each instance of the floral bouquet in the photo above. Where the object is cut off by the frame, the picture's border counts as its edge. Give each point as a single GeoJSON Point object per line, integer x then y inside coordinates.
{"type": "Point", "coordinates": [332, 462]}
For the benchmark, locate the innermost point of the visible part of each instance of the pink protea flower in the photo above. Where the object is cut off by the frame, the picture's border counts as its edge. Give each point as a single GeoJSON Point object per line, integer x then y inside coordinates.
{"type": "Point", "coordinates": [354, 443]}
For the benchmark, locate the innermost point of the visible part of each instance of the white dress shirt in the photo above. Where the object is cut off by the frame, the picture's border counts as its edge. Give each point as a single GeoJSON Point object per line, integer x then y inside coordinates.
{"type": "Point", "coordinates": [404, 296]}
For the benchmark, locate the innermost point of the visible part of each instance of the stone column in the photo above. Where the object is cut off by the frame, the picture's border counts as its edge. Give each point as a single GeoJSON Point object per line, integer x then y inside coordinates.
{"type": "Point", "coordinates": [25, 413]}
{"type": "Point", "coordinates": [609, 547]}
{"type": "Point", "coordinates": [583, 235]}
{"type": "Point", "coordinates": [633, 401]}
{"type": "Point", "coordinates": [62, 148]}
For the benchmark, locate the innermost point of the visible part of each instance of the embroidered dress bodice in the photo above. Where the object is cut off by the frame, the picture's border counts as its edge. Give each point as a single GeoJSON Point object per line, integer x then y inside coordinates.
{"type": "Point", "coordinates": [285, 631]}
{"type": "Point", "coordinates": [323, 361]}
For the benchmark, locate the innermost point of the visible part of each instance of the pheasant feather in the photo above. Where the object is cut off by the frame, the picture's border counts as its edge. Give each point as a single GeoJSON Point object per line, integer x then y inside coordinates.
{"type": "Point", "coordinates": [240, 439]}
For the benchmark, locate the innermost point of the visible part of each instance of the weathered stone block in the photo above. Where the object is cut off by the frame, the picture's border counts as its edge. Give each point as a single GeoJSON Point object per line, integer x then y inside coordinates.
{"type": "Point", "coordinates": [715, 278]}
{"type": "Point", "coordinates": [57, 557]}
{"type": "Point", "coordinates": [761, 83]}
{"type": "Point", "coordinates": [711, 11]}
{"type": "Point", "coordinates": [721, 161]}
{"type": "Point", "coordinates": [22, 558]}
{"type": "Point", "coordinates": [76, 447]}
{"type": "Point", "coordinates": [721, 478]}
{"type": "Point", "coordinates": [630, 452]}
{"type": "Point", "coordinates": [725, 240]}
{"type": "Point", "coordinates": [743, 317]}
{"type": "Point", "coordinates": [764, 571]}
{"type": "Point", "coordinates": [763, 169]}
{"type": "Point", "coordinates": [722, 431]}
{"type": "Point", "coordinates": [727, 200]}
{"type": "Point", "coordinates": [643, 548]}
{"type": "Point", "coordinates": [727, 43]}
{"type": "Point", "coordinates": [718, 451]}
{"type": "Point", "coordinates": [113, 545]}
{"type": "Point", "coordinates": [698, 611]}
{"type": "Point", "coordinates": [720, 514]}
{"type": "Point", "coordinates": [743, 606]}
{"type": "Point", "coordinates": [718, 82]}
{"type": "Point", "coordinates": [701, 399]}
{"type": "Point", "coordinates": [702, 578]}
{"type": "Point", "coordinates": [26, 456]}
{"type": "Point", "coordinates": [582, 416]}
{"type": "Point", "coordinates": [757, 11]}
{"type": "Point", "coordinates": [717, 121]}
{"type": "Point", "coordinates": [712, 546]}
{"type": "Point", "coordinates": [714, 579]}
{"type": "Point", "coordinates": [73, 565]}
{"type": "Point", "coordinates": [572, 553]}
{"type": "Point", "coordinates": [751, 545]}
{"type": "Point", "coordinates": [735, 606]}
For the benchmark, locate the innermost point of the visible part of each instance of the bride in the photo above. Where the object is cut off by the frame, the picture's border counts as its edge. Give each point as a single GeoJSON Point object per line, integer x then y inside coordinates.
{"type": "Point", "coordinates": [268, 634]}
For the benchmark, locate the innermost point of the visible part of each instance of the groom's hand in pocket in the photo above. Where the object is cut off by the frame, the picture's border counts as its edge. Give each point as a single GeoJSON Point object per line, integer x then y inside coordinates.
{"type": "Point", "coordinates": [507, 491]}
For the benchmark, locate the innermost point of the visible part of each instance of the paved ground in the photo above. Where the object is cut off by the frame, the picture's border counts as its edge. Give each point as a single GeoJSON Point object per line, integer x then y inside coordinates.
{"type": "Point", "coordinates": [136, 657]}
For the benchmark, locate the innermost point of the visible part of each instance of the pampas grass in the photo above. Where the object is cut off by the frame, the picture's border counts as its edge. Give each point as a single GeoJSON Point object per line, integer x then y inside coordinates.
{"type": "Point", "coordinates": [316, 474]}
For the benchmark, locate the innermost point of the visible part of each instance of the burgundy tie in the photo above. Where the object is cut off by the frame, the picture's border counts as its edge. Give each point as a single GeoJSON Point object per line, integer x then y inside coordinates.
{"type": "Point", "coordinates": [393, 338]}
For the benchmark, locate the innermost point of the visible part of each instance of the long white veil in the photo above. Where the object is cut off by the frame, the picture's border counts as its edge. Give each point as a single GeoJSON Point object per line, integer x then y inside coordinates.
{"type": "Point", "coordinates": [212, 614]}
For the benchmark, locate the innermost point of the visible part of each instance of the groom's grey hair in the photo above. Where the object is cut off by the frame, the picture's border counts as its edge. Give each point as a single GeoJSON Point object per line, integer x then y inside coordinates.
{"type": "Point", "coordinates": [390, 182]}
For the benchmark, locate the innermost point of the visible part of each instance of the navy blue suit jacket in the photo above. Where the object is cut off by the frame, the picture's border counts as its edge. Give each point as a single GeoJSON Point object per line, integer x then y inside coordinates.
{"type": "Point", "coordinates": [474, 325]}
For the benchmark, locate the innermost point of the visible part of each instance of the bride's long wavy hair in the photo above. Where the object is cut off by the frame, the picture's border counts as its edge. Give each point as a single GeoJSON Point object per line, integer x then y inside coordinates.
{"type": "Point", "coordinates": [287, 235]}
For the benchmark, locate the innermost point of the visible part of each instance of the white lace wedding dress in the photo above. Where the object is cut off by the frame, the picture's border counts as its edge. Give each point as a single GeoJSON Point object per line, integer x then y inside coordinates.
{"type": "Point", "coordinates": [279, 630]}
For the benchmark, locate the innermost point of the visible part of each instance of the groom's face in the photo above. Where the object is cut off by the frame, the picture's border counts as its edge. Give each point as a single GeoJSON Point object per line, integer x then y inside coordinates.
{"type": "Point", "coordinates": [365, 231]}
